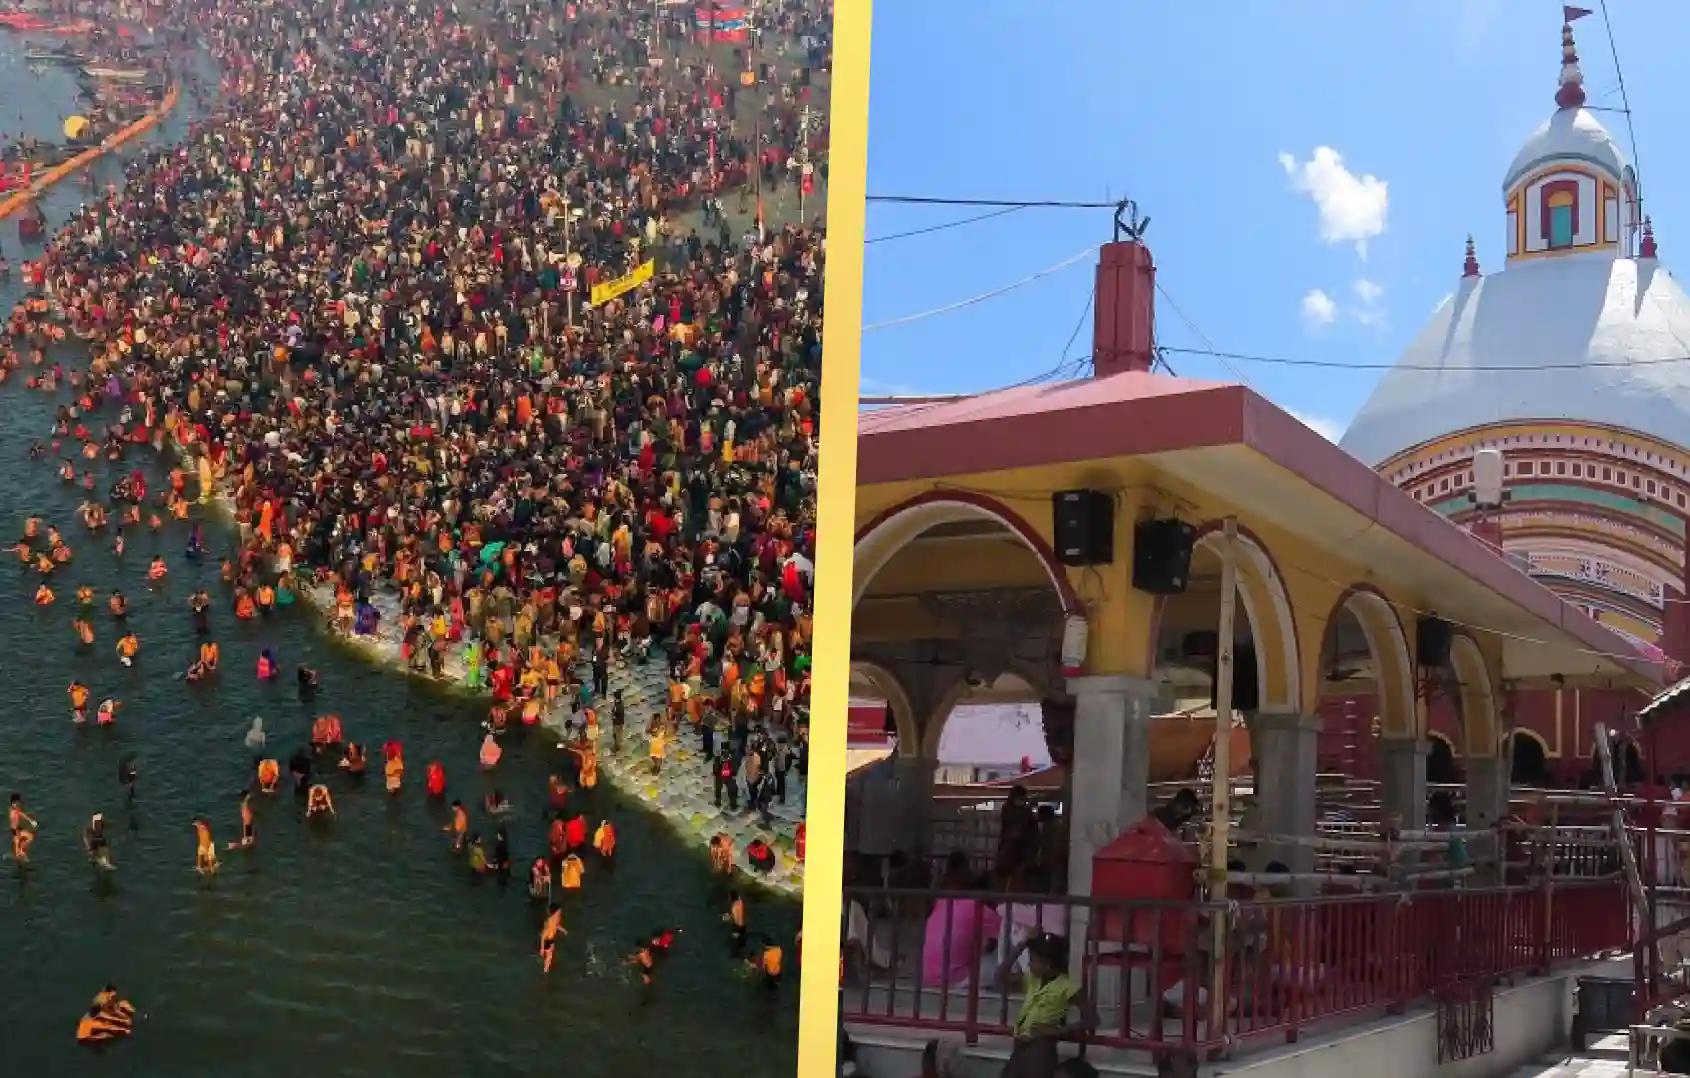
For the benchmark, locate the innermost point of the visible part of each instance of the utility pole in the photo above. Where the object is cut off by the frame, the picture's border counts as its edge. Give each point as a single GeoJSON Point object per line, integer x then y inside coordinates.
{"type": "Point", "coordinates": [1220, 783]}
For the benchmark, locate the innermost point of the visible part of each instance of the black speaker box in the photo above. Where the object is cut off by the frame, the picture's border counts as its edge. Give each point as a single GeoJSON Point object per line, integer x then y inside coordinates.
{"type": "Point", "coordinates": [1085, 527]}
{"type": "Point", "coordinates": [1162, 556]}
{"type": "Point", "coordinates": [1431, 642]}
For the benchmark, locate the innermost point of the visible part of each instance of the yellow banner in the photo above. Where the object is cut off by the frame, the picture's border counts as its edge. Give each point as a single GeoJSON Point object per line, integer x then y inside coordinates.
{"type": "Point", "coordinates": [609, 290]}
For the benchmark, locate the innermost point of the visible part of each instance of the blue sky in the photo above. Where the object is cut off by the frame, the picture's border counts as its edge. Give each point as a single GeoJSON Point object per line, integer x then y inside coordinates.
{"type": "Point", "coordinates": [1311, 169]}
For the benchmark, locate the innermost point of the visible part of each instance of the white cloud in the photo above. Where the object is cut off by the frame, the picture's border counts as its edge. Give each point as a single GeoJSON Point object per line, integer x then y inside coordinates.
{"type": "Point", "coordinates": [1330, 429]}
{"type": "Point", "coordinates": [1352, 208]}
{"type": "Point", "coordinates": [1319, 310]}
{"type": "Point", "coordinates": [1369, 311]}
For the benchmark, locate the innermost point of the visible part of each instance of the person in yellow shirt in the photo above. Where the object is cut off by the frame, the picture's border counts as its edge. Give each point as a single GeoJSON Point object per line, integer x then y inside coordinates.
{"type": "Point", "coordinates": [1050, 994]}
{"type": "Point", "coordinates": [658, 747]}
{"type": "Point", "coordinates": [570, 872]}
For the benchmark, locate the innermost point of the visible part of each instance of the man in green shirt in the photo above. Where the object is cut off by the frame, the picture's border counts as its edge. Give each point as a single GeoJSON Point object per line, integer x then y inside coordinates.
{"type": "Point", "coordinates": [1049, 995]}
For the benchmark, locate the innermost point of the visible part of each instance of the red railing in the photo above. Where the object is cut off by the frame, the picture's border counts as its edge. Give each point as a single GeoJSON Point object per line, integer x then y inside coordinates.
{"type": "Point", "coordinates": [1290, 963]}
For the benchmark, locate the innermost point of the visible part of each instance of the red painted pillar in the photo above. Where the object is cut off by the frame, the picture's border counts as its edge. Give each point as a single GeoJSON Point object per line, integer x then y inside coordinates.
{"type": "Point", "coordinates": [1124, 322]}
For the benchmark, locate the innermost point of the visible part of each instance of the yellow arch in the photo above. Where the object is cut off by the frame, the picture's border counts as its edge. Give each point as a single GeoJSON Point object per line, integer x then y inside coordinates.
{"type": "Point", "coordinates": [1393, 663]}
{"type": "Point", "coordinates": [1268, 607]}
{"type": "Point", "coordinates": [1476, 697]}
{"type": "Point", "coordinates": [898, 698]}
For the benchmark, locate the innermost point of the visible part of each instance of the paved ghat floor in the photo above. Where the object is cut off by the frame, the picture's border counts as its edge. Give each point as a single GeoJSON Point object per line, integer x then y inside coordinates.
{"type": "Point", "coordinates": [1604, 1058]}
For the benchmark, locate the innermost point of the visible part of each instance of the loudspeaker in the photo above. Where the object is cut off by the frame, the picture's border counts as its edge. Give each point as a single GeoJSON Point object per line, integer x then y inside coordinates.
{"type": "Point", "coordinates": [1431, 642]}
{"type": "Point", "coordinates": [1246, 684]}
{"type": "Point", "coordinates": [1162, 556]}
{"type": "Point", "coordinates": [1085, 527]}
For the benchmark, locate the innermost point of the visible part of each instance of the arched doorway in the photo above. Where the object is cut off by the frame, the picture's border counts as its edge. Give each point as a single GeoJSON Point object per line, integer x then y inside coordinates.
{"type": "Point", "coordinates": [958, 602]}
{"type": "Point", "coordinates": [1528, 759]}
{"type": "Point", "coordinates": [1365, 683]}
{"type": "Point", "coordinates": [1441, 768]}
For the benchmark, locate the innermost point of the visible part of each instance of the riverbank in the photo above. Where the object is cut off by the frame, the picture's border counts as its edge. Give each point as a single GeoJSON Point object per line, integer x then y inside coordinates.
{"type": "Point", "coordinates": [683, 793]}
{"type": "Point", "coordinates": [17, 200]}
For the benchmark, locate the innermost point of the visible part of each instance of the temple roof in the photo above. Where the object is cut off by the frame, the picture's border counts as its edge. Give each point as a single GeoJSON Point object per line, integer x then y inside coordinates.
{"type": "Point", "coordinates": [1569, 135]}
{"type": "Point", "coordinates": [1592, 338]}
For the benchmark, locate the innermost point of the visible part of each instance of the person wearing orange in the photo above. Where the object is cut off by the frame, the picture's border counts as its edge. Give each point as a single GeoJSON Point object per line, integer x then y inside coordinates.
{"type": "Point", "coordinates": [44, 595]}
{"type": "Point", "coordinates": [570, 871]}
{"type": "Point", "coordinates": [205, 854]}
{"type": "Point", "coordinates": [23, 827]}
{"type": "Point", "coordinates": [604, 840]}
{"type": "Point", "coordinates": [269, 774]}
{"type": "Point", "coordinates": [549, 932]}
{"type": "Point", "coordinates": [458, 825]}
{"type": "Point", "coordinates": [78, 693]}
{"type": "Point", "coordinates": [394, 768]}
{"type": "Point", "coordinates": [128, 645]}
{"type": "Point", "coordinates": [584, 752]}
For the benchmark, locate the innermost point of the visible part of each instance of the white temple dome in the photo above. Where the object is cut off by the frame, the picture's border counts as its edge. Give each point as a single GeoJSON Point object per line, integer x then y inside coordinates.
{"type": "Point", "coordinates": [1609, 332]}
{"type": "Point", "coordinates": [1569, 135]}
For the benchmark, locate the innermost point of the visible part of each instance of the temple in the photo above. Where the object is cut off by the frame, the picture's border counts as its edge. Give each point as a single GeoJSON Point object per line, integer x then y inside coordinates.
{"type": "Point", "coordinates": [1336, 648]}
{"type": "Point", "coordinates": [1573, 363]}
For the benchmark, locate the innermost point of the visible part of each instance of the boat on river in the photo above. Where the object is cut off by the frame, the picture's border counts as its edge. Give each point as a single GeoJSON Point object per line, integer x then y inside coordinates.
{"type": "Point", "coordinates": [116, 73]}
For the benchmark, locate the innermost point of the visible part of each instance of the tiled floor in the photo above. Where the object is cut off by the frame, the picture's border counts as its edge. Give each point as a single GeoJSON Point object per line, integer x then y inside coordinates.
{"type": "Point", "coordinates": [1605, 1058]}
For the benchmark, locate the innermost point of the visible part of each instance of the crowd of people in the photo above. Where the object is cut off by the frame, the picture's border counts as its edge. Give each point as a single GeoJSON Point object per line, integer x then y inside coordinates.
{"type": "Point", "coordinates": [448, 306]}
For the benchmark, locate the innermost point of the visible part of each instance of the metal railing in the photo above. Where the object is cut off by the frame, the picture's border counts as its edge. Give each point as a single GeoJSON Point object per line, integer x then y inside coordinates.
{"type": "Point", "coordinates": [928, 959]}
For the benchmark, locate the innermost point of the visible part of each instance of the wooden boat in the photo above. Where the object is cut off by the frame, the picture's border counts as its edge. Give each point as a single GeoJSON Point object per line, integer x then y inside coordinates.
{"type": "Point", "coordinates": [119, 74]}
{"type": "Point", "coordinates": [56, 56]}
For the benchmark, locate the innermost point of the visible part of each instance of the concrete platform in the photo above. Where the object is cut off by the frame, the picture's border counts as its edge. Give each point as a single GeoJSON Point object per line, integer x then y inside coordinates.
{"type": "Point", "coordinates": [1532, 1018]}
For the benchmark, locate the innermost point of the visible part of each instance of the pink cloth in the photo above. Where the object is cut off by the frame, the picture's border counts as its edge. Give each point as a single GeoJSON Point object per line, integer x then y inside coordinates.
{"type": "Point", "coordinates": [971, 924]}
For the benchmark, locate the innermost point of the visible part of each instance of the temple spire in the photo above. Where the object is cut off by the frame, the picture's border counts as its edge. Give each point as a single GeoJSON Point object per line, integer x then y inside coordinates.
{"type": "Point", "coordinates": [1570, 94]}
{"type": "Point", "coordinates": [1470, 267]}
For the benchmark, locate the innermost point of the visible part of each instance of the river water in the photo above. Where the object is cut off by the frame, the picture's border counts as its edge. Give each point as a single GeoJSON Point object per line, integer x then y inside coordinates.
{"type": "Point", "coordinates": [358, 947]}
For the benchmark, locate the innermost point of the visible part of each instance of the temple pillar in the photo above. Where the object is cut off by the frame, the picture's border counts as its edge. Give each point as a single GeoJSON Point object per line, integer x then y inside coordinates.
{"type": "Point", "coordinates": [1107, 782]}
{"type": "Point", "coordinates": [1488, 786]}
{"type": "Point", "coordinates": [1489, 783]}
{"type": "Point", "coordinates": [1284, 747]}
{"type": "Point", "coordinates": [1111, 766]}
{"type": "Point", "coordinates": [1402, 774]}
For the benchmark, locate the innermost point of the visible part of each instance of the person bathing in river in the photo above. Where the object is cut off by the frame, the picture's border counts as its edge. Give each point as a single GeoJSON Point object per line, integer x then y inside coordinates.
{"type": "Point", "coordinates": [458, 825]}
{"type": "Point", "coordinates": [308, 682]}
{"type": "Point", "coordinates": [540, 879]}
{"type": "Point", "coordinates": [249, 832]}
{"type": "Point", "coordinates": [95, 842]}
{"type": "Point", "coordinates": [319, 802]}
{"type": "Point", "coordinates": [200, 605]}
{"type": "Point", "coordinates": [353, 763]}
{"type": "Point", "coordinates": [23, 827]}
{"type": "Point", "coordinates": [549, 932]}
{"type": "Point", "coordinates": [128, 646]}
{"type": "Point", "coordinates": [205, 852]}
{"type": "Point", "coordinates": [78, 693]}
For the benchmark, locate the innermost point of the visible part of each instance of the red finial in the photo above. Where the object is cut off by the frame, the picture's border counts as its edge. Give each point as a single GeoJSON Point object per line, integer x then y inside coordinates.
{"type": "Point", "coordinates": [1647, 250]}
{"type": "Point", "coordinates": [1470, 268]}
{"type": "Point", "coordinates": [1570, 94]}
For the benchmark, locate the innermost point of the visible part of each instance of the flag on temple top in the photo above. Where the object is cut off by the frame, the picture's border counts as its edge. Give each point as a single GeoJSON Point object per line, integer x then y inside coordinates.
{"type": "Point", "coordinates": [1568, 13]}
